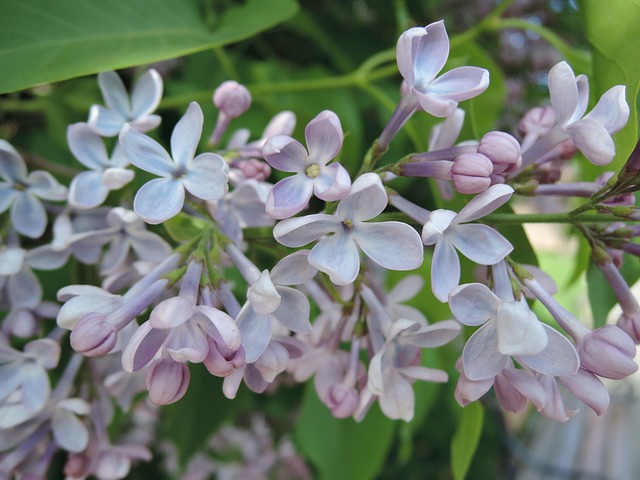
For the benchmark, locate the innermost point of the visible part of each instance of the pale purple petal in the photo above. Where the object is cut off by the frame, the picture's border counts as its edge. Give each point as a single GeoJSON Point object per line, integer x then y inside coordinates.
{"type": "Point", "coordinates": [24, 289]}
{"type": "Point", "coordinates": [143, 346]}
{"type": "Point", "coordinates": [159, 199]}
{"type": "Point", "coordinates": [558, 359]}
{"type": "Point", "coordinates": [46, 350]}
{"type": "Point", "coordinates": [437, 222]}
{"type": "Point", "coordinates": [468, 391]}
{"type": "Point", "coordinates": [87, 146]}
{"type": "Point", "coordinates": [527, 385]}
{"type": "Point", "coordinates": [8, 195]}
{"type": "Point", "coordinates": [186, 135]}
{"type": "Point", "coordinates": [519, 330]}
{"type": "Point", "coordinates": [563, 92]}
{"type": "Point", "coordinates": [366, 199]}
{"type": "Point", "coordinates": [589, 389]}
{"type": "Point", "coordinates": [116, 178]}
{"type": "Point", "coordinates": [473, 304]}
{"type": "Point", "coordinates": [105, 122]}
{"type": "Point", "coordinates": [460, 84]}
{"type": "Point", "coordinates": [407, 288]}
{"type": "Point", "coordinates": [480, 356]}
{"type": "Point", "coordinates": [225, 330]}
{"type": "Point", "coordinates": [434, 105]}
{"type": "Point", "coordinates": [149, 246]}
{"type": "Point", "coordinates": [406, 50]}
{"type": "Point", "coordinates": [338, 257]}
{"type": "Point", "coordinates": [11, 260]}
{"type": "Point", "coordinates": [431, 53]}
{"type": "Point", "coordinates": [146, 123]}
{"type": "Point", "coordinates": [285, 154]}
{"type": "Point", "coordinates": [484, 203]}
{"type": "Point", "coordinates": [263, 296]}
{"type": "Point", "coordinates": [28, 215]}
{"type": "Point", "coordinates": [282, 123]}
{"type": "Point", "coordinates": [332, 184]}
{"type": "Point", "coordinates": [255, 331]}
{"type": "Point", "coordinates": [593, 141]}
{"type": "Point", "coordinates": [86, 190]}
{"type": "Point", "coordinates": [432, 336]}
{"type": "Point", "coordinates": [289, 196]}
{"type": "Point", "coordinates": [114, 93]}
{"type": "Point", "coordinates": [293, 269]}
{"type": "Point", "coordinates": [293, 311]}
{"type": "Point", "coordinates": [611, 111]}
{"type": "Point", "coordinates": [445, 270]}
{"type": "Point", "coordinates": [296, 232]}
{"type": "Point", "coordinates": [207, 177]}
{"type": "Point", "coordinates": [582, 83]}
{"type": "Point", "coordinates": [76, 308]}
{"type": "Point", "coordinates": [171, 313]}
{"type": "Point", "coordinates": [324, 138]}
{"type": "Point", "coordinates": [399, 399]}
{"type": "Point", "coordinates": [35, 387]}
{"type": "Point", "coordinates": [146, 93]}
{"type": "Point", "coordinates": [12, 167]}
{"type": "Point", "coordinates": [68, 431]}
{"type": "Point", "coordinates": [392, 245]}
{"type": "Point", "coordinates": [417, 372]}
{"type": "Point", "coordinates": [480, 243]}
{"type": "Point", "coordinates": [377, 366]}
{"type": "Point", "coordinates": [187, 343]}
{"type": "Point", "coordinates": [42, 184]}
{"type": "Point", "coordinates": [145, 153]}
{"type": "Point", "coordinates": [445, 134]}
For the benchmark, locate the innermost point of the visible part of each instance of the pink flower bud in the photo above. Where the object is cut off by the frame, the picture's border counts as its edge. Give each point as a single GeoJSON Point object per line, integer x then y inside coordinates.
{"type": "Point", "coordinates": [470, 173]}
{"type": "Point", "coordinates": [93, 336]}
{"type": "Point", "coordinates": [608, 352]}
{"type": "Point", "coordinates": [253, 168]}
{"type": "Point", "coordinates": [503, 150]}
{"type": "Point", "coordinates": [630, 323]}
{"type": "Point", "coordinates": [342, 400]}
{"type": "Point", "coordinates": [232, 99]}
{"type": "Point", "coordinates": [537, 121]}
{"type": "Point", "coordinates": [167, 381]}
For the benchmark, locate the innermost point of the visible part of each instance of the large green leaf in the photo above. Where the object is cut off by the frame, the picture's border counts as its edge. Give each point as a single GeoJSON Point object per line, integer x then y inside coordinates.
{"type": "Point", "coordinates": [342, 449]}
{"type": "Point", "coordinates": [47, 41]}
{"type": "Point", "coordinates": [612, 29]}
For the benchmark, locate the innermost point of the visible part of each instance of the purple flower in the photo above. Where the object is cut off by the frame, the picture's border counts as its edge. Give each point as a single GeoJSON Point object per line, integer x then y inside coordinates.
{"type": "Point", "coordinates": [324, 139]}
{"type": "Point", "coordinates": [120, 109]}
{"type": "Point", "coordinates": [480, 243]}
{"type": "Point", "coordinates": [204, 176]}
{"type": "Point", "coordinates": [392, 245]}
{"type": "Point", "coordinates": [421, 54]}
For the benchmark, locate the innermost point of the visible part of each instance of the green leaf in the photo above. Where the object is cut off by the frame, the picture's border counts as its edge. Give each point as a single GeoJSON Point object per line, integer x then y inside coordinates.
{"type": "Point", "coordinates": [465, 441]}
{"type": "Point", "coordinates": [46, 41]}
{"type": "Point", "coordinates": [342, 449]}
{"type": "Point", "coordinates": [184, 227]}
{"type": "Point", "coordinates": [611, 28]}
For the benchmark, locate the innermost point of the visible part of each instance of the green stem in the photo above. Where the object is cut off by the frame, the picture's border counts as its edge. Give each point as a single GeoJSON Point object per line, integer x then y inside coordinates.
{"type": "Point", "coordinates": [226, 63]}
{"type": "Point", "coordinates": [568, 218]}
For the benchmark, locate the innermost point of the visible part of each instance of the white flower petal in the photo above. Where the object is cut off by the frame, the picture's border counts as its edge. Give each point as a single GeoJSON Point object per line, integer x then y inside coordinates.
{"type": "Point", "coordinates": [186, 135]}
{"type": "Point", "coordinates": [519, 330]}
{"type": "Point", "coordinates": [333, 183]}
{"type": "Point", "coordinates": [293, 269]}
{"type": "Point", "coordinates": [207, 177]}
{"type": "Point", "coordinates": [480, 356]}
{"type": "Point", "coordinates": [87, 191]}
{"type": "Point", "coordinates": [145, 153]}
{"type": "Point", "coordinates": [263, 296]}
{"type": "Point", "coordinates": [285, 154]}
{"type": "Point", "coordinates": [473, 304]}
{"type": "Point", "coordinates": [12, 166]}
{"type": "Point", "coordinates": [399, 400]}
{"type": "Point", "coordinates": [338, 257]}
{"type": "Point", "coordinates": [611, 111]}
{"type": "Point", "coordinates": [146, 93]}
{"type": "Point", "coordinates": [593, 141]}
{"type": "Point", "coordinates": [324, 138]}
{"type": "Point", "coordinates": [563, 92]}
{"type": "Point", "coordinates": [460, 84]}
{"type": "Point", "coordinates": [69, 432]}
{"type": "Point", "coordinates": [105, 122]}
{"type": "Point", "coordinates": [28, 216]}
{"type": "Point", "coordinates": [558, 359]}
{"type": "Point", "coordinates": [289, 196]}
{"type": "Point", "coordinates": [480, 243]}
{"type": "Point", "coordinates": [114, 93]}
{"type": "Point", "coordinates": [255, 331]}
{"type": "Point", "coordinates": [296, 232]}
{"type": "Point", "coordinates": [366, 199]}
{"type": "Point", "coordinates": [392, 245]}
{"type": "Point", "coordinates": [445, 270]}
{"type": "Point", "coordinates": [293, 311]}
{"type": "Point", "coordinates": [484, 203]}
{"type": "Point", "coordinates": [87, 146]}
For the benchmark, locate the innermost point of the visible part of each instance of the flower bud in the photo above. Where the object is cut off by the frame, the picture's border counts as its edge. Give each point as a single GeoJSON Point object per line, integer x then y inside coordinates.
{"type": "Point", "coordinates": [93, 336]}
{"type": "Point", "coordinates": [630, 324]}
{"type": "Point", "coordinates": [232, 99]}
{"type": "Point", "coordinates": [470, 173]}
{"type": "Point", "coordinates": [608, 352]}
{"type": "Point", "coordinates": [589, 389]}
{"type": "Point", "coordinates": [342, 400]}
{"type": "Point", "coordinates": [167, 381]}
{"type": "Point", "coordinates": [537, 121]}
{"type": "Point", "coordinates": [253, 168]}
{"type": "Point", "coordinates": [503, 150]}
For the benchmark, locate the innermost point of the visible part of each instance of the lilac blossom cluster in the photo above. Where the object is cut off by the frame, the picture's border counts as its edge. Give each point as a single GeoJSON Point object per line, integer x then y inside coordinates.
{"type": "Point", "coordinates": [325, 312]}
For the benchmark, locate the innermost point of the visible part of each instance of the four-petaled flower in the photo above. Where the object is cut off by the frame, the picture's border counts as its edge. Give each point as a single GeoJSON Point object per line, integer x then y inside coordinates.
{"type": "Point", "coordinates": [392, 245]}
{"type": "Point", "coordinates": [324, 139]}
{"type": "Point", "coordinates": [204, 176]}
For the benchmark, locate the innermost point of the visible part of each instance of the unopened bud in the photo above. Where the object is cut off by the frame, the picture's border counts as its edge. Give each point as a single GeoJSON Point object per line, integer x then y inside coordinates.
{"type": "Point", "coordinates": [630, 323]}
{"type": "Point", "coordinates": [221, 365]}
{"type": "Point", "coordinates": [253, 169]}
{"type": "Point", "coordinates": [503, 150]}
{"type": "Point", "coordinates": [167, 381]}
{"type": "Point", "coordinates": [470, 173]}
{"type": "Point", "coordinates": [342, 400]}
{"type": "Point", "coordinates": [93, 336]}
{"type": "Point", "coordinates": [232, 99]}
{"type": "Point", "coordinates": [537, 121]}
{"type": "Point", "coordinates": [608, 352]}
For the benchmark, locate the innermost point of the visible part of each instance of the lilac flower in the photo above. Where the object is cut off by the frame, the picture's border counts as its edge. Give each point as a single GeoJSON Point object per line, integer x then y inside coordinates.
{"type": "Point", "coordinates": [509, 328]}
{"type": "Point", "coordinates": [120, 109]}
{"type": "Point", "coordinates": [204, 176]}
{"type": "Point", "coordinates": [392, 245]}
{"type": "Point", "coordinates": [421, 54]}
{"type": "Point", "coordinates": [90, 189]}
{"type": "Point", "coordinates": [449, 231]}
{"type": "Point", "coordinates": [22, 192]}
{"type": "Point", "coordinates": [324, 139]}
{"type": "Point", "coordinates": [591, 133]}
{"type": "Point", "coordinates": [392, 368]}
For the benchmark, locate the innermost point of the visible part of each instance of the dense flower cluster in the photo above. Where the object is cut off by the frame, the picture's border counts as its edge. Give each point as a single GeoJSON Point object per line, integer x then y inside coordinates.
{"type": "Point", "coordinates": [327, 312]}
